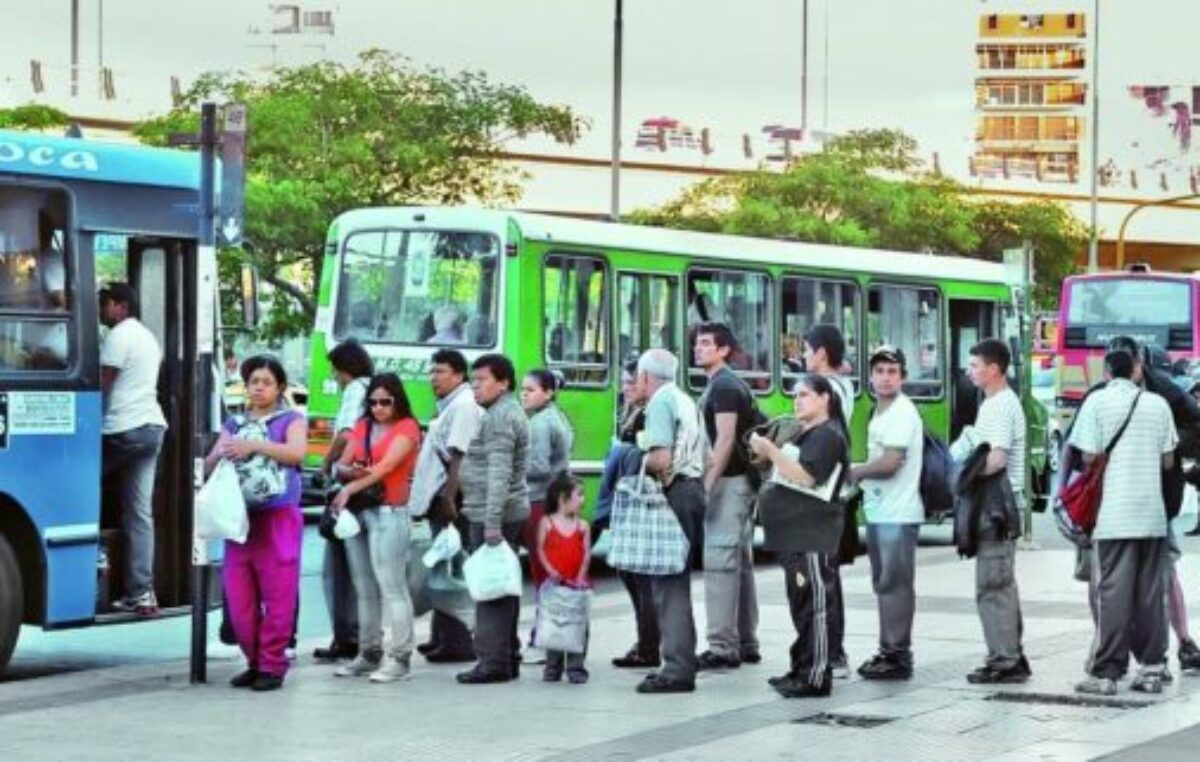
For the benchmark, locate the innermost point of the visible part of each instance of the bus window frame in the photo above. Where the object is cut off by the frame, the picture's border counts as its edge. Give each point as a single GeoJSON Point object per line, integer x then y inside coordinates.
{"type": "Point", "coordinates": [773, 343]}
{"type": "Point", "coordinates": [497, 292]}
{"type": "Point", "coordinates": [943, 337]}
{"type": "Point", "coordinates": [17, 380]}
{"type": "Point", "coordinates": [677, 308]}
{"type": "Point", "coordinates": [606, 319]}
{"type": "Point", "coordinates": [863, 377]}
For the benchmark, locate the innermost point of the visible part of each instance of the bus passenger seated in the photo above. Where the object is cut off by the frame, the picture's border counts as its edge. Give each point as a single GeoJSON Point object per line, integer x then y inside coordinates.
{"type": "Point", "coordinates": [447, 326]}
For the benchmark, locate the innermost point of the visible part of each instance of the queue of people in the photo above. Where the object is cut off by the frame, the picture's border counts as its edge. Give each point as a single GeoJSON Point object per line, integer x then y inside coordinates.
{"type": "Point", "coordinates": [494, 468]}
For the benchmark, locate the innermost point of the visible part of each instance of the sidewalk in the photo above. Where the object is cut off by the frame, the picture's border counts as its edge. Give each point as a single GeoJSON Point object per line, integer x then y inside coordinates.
{"type": "Point", "coordinates": [149, 710]}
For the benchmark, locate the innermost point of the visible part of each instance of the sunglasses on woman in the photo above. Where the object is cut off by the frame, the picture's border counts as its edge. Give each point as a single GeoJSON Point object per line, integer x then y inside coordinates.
{"type": "Point", "coordinates": [381, 402]}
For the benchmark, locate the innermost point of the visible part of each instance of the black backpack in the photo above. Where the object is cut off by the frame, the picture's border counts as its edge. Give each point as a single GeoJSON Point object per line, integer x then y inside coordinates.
{"type": "Point", "coordinates": [937, 476]}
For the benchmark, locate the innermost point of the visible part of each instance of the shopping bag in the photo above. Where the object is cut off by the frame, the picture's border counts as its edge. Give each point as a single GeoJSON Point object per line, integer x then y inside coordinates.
{"type": "Point", "coordinates": [492, 572]}
{"type": "Point", "coordinates": [220, 506]}
{"type": "Point", "coordinates": [562, 618]}
{"type": "Point", "coordinates": [646, 535]}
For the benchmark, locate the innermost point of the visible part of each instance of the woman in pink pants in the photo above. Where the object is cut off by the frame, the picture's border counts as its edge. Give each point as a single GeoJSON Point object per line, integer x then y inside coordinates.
{"type": "Point", "coordinates": [262, 576]}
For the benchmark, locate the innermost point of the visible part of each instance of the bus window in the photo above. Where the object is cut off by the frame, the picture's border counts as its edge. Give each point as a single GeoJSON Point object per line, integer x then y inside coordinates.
{"type": "Point", "coordinates": [909, 318]}
{"type": "Point", "coordinates": [418, 287]}
{"type": "Point", "coordinates": [742, 301]}
{"type": "Point", "coordinates": [575, 315]}
{"type": "Point", "coordinates": [646, 309]}
{"type": "Point", "coordinates": [34, 288]}
{"type": "Point", "coordinates": [807, 302]}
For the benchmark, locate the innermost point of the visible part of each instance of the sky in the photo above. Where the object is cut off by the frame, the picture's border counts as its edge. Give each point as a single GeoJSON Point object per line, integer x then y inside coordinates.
{"type": "Point", "coordinates": [729, 66]}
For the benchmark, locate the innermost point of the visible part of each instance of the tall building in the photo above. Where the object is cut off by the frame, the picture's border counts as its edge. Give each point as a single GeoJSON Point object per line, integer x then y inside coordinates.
{"type": "Point", "coordinates": [1031, 93]}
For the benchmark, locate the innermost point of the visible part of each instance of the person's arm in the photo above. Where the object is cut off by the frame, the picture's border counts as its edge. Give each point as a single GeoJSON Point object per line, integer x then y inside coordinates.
{"type": "Point", "coordinates": [582, 578]}
{"type": "Point", "coordinates": [448, 496]}
{"type": "Point", "coordinates": [399, 449]}
{"type": "Point", "coordinates": [289, 453]}
{"type": "Point", "coordinates": [787, 468]}
{"type": "Point", "coordinates": [722, 450]}
{"type": "Point", "coordinates": [334, 453]}
{"type": "Point", "coordinates": [501, 442]}
{"type": "Point", "coordinates": [108, 377]}
{"type": "Point", "coordinates": [658, 461]}
{"type": "Point", "coordinates": [885, 466]}
{"type": "Point", "coordinates": [543, 530]}
{"type": "Point", "coordinates": [541, 450]}
{"type": "Point", "coordinates": [216, 453]}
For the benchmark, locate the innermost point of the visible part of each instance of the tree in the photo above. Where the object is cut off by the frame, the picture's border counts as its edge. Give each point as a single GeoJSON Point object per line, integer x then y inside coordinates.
{"type": "Point", "coordinates": [32, 116]}
{"type": "Point", "coordinates": [868, 188]}
{"type": "Point", "coordinates": [326, 138]}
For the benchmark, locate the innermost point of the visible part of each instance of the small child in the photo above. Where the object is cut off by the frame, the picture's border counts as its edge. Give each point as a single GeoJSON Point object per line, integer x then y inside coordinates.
{"type": "Point", "coordinates": [564, 542]}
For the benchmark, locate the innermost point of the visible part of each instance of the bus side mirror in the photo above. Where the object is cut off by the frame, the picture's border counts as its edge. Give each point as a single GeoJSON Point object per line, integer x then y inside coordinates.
{"type": "Point", "coordinates": [249, 297]}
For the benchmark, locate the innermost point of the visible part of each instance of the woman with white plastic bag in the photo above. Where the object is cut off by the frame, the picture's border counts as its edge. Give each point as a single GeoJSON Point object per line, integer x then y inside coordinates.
{"type": "Point", "coordinates": [220, 507]}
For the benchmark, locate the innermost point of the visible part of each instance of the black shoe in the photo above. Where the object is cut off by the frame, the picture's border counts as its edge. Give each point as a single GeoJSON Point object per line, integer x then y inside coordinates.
{"type": "Point", "coordinates": [480, 676]}
{"type": "Point", "coordinates": [779, 679]}
{"type": "Point", "coordinates": [1194, 531]}
{"type": "Point", "coordinates": [429, 647]}
{"type": "Point", "coordinates": [552, 673]}
{"type": "Point", "coordinates": [1189, 655]}
{"type": "Point", "coordinates": [659, 684]}
{"type": "Point", "coordinates": [881, 667]}
{"type": "Point", "coordinates": [265, 682]}
{"type": "Point", "coordinates": [244, 679]}
{"type": "Point", "coordinates": [635, 660]}
{"type": "Point", "coordinates": [714, 660]}
{"type": "Point", "coordinates": [577, 676]}
{"type": "Point", "coordinates": [796, 688]}
{"type": "Point", "coordinates": [989, 675]}
{"type": "Point", "coordinates": [449, 656]}
{"type": "Point", "coordinates": [336, 652]}
{"type": "Point", "coordinates": [751, 656]}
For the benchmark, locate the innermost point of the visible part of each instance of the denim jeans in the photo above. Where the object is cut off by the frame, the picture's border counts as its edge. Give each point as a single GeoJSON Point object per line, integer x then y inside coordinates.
{"type": "Point", "coordinates": [130, 459]}
{"type": "Point", "coordinates": [378, 557]}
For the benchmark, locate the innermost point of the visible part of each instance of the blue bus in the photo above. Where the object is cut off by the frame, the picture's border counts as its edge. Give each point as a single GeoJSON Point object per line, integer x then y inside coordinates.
{"type": "Point", "coordinates": [75, 214]}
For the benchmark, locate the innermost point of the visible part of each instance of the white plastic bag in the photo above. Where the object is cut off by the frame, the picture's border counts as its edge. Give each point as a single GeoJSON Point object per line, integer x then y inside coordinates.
{"type": "Point", "coordinates": [221, 508]}
{"type": "Point", "coordinates": [562, 618]}
{"type": "Point", "coordinates": [492, 572]}
{"type": "Point", "coordinates": [445, 546]}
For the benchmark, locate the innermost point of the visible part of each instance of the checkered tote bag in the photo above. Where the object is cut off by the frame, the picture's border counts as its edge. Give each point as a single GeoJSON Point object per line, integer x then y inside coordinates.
{"type": "Point", "coordinates": [646, 536]}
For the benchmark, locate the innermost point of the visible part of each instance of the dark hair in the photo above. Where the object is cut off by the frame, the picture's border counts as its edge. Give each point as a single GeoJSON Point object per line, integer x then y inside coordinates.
{"type": "Point", "coordinates": [993, 352]}
{"type": "Point", "coordinates": [563, 484]}
{"type": "Point", "coordinates": [721, 333]}
{"type": "Point", "coordinates": [452, 358]}
{"type": "Point", "coordinates": [349, 357]}
{"type": "Point", "coordinates": [890, 355]}
{"type": "Point", "coordinates": [391, 384]}
{"type": "Point", "coordinates": [819, 384]}
{"type": "Point", "coordinates": [258, 362]}
{"type": "Point", "coordinates": [827, 337]}
{"type": "Point", "coordinates": [499, 366]}
{"type": "Point", "coordinates": [120, 292]}
{"type": "Point", "coordinates": [548, 380]}
{"type": "Point", "coordinates": [1125, 344]}
{"type": "Point", "coordinates": [1119, 363]}
{"type": "Point", "coordinates": [630, 367]}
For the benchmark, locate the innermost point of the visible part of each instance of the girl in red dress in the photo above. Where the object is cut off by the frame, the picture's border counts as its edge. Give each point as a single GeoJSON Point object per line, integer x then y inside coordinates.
{"type": "Point", "coordinates": [564, 547]}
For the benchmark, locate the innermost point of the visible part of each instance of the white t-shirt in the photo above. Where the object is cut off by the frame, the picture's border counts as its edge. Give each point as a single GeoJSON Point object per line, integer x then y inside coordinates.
{"type": "Point", "coordinates": [454, 427]}
{"type": "Point", "coordinates": [844, 389]}
{"type": "Point", "coordinates": [897, 499]}
{"type": "Point", "coordinates": [1001, 423]}
{"type": "Point", "coordinates": [133, 352]}
{"type": "Point", "coordinates": [351, 408]}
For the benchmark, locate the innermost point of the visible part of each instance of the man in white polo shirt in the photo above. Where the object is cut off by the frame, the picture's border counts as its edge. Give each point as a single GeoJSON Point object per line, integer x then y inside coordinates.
{"type": "Point", "coordinates": [1129, 540]}
{"type": "Point", "coordinates": [133, 431]}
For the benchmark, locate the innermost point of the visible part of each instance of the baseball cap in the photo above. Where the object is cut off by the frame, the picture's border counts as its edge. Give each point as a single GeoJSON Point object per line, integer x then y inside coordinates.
{"type": "Point", "coordinates": [887, 353]}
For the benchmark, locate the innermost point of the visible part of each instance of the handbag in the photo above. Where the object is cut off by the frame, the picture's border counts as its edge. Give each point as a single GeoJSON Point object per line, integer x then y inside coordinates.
{"type": "Point", "coordinates": [1081, 498]}
{"type": "Point", "coordinates": [492, 572]}
{"type": "Point", "coordinates": [646, 535]}
{"type": "Point", "coordinates": [562, 618]}
{"type": "Point", "coordinates": [221, 508]}
{"type": "Point", "coordinates": [372, 496]}
{"type": "Point", "coordinates": [262, 479]}
{"type": "Point", "coordinates": [796, 519]}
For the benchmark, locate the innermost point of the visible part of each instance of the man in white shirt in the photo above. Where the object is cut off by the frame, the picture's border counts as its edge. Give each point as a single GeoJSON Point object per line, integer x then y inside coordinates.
{"type": "Point", "coordinates": [1001, 425]}
{"type": "Point", "coordinates": [1129, 541]}
{"type": "Point", "coordinates": [133, 432]}
{"type": "Point", "coordinates": [891, 485]}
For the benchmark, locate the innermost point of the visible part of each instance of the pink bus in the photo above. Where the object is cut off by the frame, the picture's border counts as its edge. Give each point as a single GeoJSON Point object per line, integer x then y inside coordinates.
{"type": "Point", "coordinates": [1156, 308]}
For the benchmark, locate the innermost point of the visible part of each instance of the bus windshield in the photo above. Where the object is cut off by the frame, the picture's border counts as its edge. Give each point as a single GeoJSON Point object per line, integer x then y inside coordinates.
{"type": "Point", "coordinates": [418, 287]}
{"type": "Point", "coordinates": [1129, 302]}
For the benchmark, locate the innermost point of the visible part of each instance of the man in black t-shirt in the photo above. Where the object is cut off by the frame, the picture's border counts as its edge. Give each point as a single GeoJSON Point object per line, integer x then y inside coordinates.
{"type": "Point", "coordinates": [730, 598]}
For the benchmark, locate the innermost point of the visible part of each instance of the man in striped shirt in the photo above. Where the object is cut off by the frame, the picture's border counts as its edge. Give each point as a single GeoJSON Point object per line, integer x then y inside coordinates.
{"type": "Point", "coordinates": [1129, 540]}
{"type": "Point", "coordinates": [1001, 424]}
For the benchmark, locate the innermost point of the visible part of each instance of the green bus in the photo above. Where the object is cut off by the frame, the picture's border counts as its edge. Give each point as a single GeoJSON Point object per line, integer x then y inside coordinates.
{"type": "Point", "coordinates": [583, 297]}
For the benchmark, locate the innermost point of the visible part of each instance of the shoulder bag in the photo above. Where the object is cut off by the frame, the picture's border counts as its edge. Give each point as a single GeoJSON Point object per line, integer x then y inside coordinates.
{"type": "Point", "coordinates": [1082, 497]}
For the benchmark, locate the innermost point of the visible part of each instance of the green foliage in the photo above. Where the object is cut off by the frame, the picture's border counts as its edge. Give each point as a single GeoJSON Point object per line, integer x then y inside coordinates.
{"type": "Point", "coordinates": [868, 188]}
{"type": "Point", "coordinates": [326, 138]}
{"type": "Point", "coordinates": [32, 116]}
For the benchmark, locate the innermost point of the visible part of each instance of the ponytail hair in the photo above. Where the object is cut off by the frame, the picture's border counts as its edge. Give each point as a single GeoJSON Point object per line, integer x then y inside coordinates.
{"type": "Point", "coordinates": [550, 381]}
{"type": "Point", "coordinates": [561, 487]}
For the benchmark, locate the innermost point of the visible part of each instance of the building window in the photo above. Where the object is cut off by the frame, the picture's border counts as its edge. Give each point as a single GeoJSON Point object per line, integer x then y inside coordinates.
{"type": "Point", "coordinates": [993, 22]}
{"type": "Point", "coordinates": [575, 318]}
{"type": "Point", "coordinates": [1072, 20]}
{"type": "Point", "coordinates": [1033, 21]}
{"type": "Point", "coordinates": [909, 318]}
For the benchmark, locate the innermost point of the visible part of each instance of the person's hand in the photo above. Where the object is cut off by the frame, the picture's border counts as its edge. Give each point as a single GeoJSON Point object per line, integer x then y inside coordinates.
{"type": "Point", "coordinates": [340, 500]}
{"type": "Point", "coordinates": [554, 576]}
{"type": "Point", "coordinates": [581, 581]}
{"type": "Point", "coordinates": [760, 445]}
{"type": "Point", "coordinates": [493, 536]}
{"type": "Point", "coordinates": [350, 473]}
{"type": "Point", "coordinates": [240, 449]}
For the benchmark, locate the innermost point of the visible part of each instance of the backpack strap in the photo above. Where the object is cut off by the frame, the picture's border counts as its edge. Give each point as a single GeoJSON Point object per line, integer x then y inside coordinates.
{"type": "Point", "coordinates": [1117, 438]}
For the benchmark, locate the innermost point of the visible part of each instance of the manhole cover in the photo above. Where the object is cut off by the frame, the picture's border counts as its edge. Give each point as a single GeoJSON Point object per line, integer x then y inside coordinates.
{"type": "Point", "coordinates": [1091, 702]}
{"type": "Point", "coordinates": [844, 720]}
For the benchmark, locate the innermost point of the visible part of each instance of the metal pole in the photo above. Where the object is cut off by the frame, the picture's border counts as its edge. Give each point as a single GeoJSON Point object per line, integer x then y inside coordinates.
{"type": "Point", "coordinates": [618, 33]}
{"type": "Point", "coordinates": [205, 239]}
{"type": "Point", "coordinates": [1093, 240]}
{"type": "Point", "coordinates": [100, 45]}
{"type": "Point", "coordinates": [825, 85]}
{"type": "Point", "coordinates": [74, 48]}
{"type": "Point", "coordinates": [804, 76]}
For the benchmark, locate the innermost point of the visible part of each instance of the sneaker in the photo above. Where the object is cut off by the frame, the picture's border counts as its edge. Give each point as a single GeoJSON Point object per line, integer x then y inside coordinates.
{"type": "Point", "coordinates": [552, 673]}
{"type": "Point", "coordinates": [881, 667]}
{"type": "Point", "coordinates": [336, 652]}
{"type": "Point", "coordinates": [480, 676]}
{"type": "Point", "coordinates": [779, 679]}
{"type": "Point", "coordinates": [1097, 686]}
{"type": "Point", "coordinates": [145, 604]}
{"type": "Point", "coordinates": [265, 682]}
{"type": "Point", "coordinates": [840, 667]}
{"type": "Point", "coordinates": [635, 660]}
{"type": "Point", "coordinates": [714, 660]}
{"type": "Point", "coordinates": [751, 656]}
{"type": "Point", "coordinates": [577, 676]}
{"type": "Point", "coordinates": [987, 674]}
{"type": "Point", "coordinates": [428, 647]}
{"type": "Point", "coordinates": [390, 671]}
{"type": "Point", "coordinates": [794, 687]}
{"type": "Point", "coordinates": [1189, 655]}
{"type": "Point", "coordinates": [1148, 680]}
{"type": "Point", "coordinates": [362, 665]}
{"type": "Point", "coordinates": [244, 679]}
{"type": "Point", "coordinates": [658, 684]}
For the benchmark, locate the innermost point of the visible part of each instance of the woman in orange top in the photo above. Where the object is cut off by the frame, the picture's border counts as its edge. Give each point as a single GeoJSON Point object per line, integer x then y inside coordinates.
{"type": "Point", "coordinates": [382, 450]}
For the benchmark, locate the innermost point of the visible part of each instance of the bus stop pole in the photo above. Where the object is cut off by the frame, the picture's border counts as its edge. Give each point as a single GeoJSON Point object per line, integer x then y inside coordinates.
{"type": "Point", "coordinates": [193, 356]}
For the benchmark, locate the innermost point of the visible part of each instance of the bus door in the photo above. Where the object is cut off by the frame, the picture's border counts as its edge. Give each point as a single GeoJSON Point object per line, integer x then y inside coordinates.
{"type": "Point", "coordinates": [971, 321]}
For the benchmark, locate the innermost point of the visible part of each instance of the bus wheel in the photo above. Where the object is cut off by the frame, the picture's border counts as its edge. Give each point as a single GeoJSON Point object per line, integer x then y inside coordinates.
{"type": "Point", "coordinates": [12, 599]}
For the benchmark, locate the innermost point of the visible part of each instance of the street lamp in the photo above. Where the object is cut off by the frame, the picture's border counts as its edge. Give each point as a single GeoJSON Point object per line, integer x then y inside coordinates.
{"type": "Point", "coordinates": [618, 31]}
{"type": "Point", "coordinates": [1093, 241]}
{"type": "Point", "coordinates": [1174, 201]}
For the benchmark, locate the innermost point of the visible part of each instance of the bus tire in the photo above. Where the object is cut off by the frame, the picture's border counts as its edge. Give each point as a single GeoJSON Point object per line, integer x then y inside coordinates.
{"type": "Point", "coordinates": [12, 598]}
